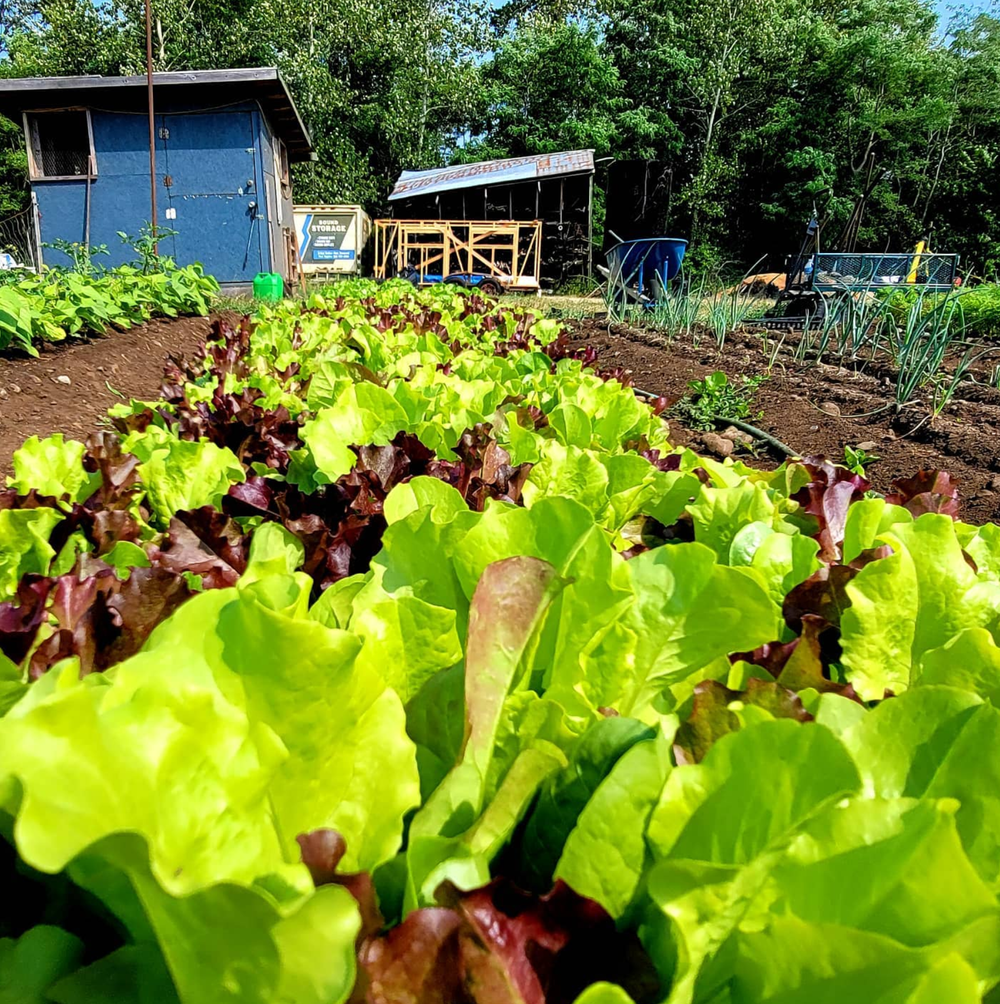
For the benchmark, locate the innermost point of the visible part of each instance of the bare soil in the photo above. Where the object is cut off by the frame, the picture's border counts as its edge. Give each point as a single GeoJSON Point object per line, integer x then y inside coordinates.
{"type": "Point", "coordinates": [101, 372]}
{"type": "Point", "coordinates": [964, 440]}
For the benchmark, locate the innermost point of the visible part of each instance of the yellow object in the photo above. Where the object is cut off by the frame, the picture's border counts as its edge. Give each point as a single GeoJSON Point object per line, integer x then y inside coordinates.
{"type": "Point", "coordinates": [921, 247]}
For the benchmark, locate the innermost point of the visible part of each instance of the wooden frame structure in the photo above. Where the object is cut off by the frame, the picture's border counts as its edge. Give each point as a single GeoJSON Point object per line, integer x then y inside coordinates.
{"type": "Point", "coordinates": [438, 248]}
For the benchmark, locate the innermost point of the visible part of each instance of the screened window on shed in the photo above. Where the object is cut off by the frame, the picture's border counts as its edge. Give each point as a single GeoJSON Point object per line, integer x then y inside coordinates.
{"type": "Point", "coordinates": [61, 145]}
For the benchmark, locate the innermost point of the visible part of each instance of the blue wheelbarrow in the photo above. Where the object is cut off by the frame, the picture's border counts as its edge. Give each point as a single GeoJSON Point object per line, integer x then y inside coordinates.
{"type": "Point", "coordinates": [640, 271]}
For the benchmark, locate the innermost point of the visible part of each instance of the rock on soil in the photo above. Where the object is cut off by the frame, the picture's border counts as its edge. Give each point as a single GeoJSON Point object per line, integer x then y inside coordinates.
{"type": "Point", "coordinates": [735, 435]}
{"type": "Point", "coordinates": [718, 445]}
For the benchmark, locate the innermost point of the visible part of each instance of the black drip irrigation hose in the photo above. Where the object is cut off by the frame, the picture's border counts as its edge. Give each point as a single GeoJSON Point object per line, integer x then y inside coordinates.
{"type": "Point", "coordinates": [750, 430]}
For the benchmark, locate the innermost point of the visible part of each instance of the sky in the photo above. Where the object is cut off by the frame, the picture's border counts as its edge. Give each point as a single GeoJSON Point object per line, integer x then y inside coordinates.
{"type": "Point", "coordinates": [946, 7]}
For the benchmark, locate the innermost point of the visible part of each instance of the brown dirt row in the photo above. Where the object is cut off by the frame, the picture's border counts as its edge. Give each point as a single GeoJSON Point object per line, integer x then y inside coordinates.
{"type": "Point", "coordinates": [964, 440]}
{"type": "Point", "coordinates": [34, 401]}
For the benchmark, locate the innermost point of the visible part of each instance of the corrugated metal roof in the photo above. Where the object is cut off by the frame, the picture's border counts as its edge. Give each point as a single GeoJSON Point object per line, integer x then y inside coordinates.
{"type": "Point", "coordinates": [493, 172]}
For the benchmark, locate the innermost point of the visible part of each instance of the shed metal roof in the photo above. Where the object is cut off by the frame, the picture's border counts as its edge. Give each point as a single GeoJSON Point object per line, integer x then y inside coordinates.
{"type": "Point", "coordinates": [263, 84]}
{"type": "Point", "coordinates": [493, 172]}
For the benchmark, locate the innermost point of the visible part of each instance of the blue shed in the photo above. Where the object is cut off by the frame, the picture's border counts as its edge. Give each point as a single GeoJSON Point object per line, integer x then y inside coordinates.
{"type": "Point", "coordinates": [224, 143]}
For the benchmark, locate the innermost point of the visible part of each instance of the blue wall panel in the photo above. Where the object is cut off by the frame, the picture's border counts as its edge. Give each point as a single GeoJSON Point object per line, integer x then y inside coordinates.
{"type": "Point", "coordinates": [119, 195]}
{"type": "Point", "coordinates": [212, 160]}
{"type": "Point", "coordinates": [270, 199]}
{"type": "Point", "coordinates": [209, 159]}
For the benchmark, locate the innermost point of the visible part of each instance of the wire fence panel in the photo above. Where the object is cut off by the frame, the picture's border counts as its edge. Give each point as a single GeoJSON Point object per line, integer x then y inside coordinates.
{"type": "Point", "coordinates": [17, 239]}
{"type": "Point", "coordinates": [835, 270]}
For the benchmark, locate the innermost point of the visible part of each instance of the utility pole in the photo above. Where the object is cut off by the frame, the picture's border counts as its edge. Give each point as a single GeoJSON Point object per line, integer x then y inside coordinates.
{"type": "Point", "coordinates": [152, 127]}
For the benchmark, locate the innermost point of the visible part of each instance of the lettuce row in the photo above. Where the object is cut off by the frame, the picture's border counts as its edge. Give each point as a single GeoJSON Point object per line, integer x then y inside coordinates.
{"type": "Point", "coordinates": [763, 750]}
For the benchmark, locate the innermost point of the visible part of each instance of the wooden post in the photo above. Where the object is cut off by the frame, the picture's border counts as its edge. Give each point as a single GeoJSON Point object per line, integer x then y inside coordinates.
{"type": "Point", "coordinates": [152, 127]}
{"type": "Point", "coordinates": [590, 231]}
{"type": "Point", "coordinates": [86, 206]}
{"type": "Point", "coordinates": [36, 220]}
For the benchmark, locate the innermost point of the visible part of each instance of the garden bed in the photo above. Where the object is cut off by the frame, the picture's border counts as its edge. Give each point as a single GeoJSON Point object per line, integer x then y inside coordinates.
{"type": "Point", "coordinates": [101, 372]}
{"type": "Point", "coordinates": [323, 677]}
{"type": "Point", "coordinates": [964, 440]}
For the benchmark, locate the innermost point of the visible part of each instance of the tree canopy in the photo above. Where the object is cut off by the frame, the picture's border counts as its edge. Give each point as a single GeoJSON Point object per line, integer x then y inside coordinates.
{"type": "Point", "coordinates": [872, 111]}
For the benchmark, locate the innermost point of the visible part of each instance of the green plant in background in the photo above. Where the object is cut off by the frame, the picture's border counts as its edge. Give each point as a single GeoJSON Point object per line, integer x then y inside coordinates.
{"type": "Point", "coordinates": [80, 255]}
{"type": "Point", "coordinates": [981, 310]}
{"type": "Point", "coordinates": [730, 309]}
{"type": "Point", "coordinates": [575, 285]}
{"type": "Point", "coordinates": [64, 303]}
{"type": "Point", "coordinates": [980, 306]}
{"type": "Point", "coordinates": [918, 346]}
{"type": "Point", "coordinates": [16, 321]}
{"type": "Point", "coordinates": [14, 276]}
{"type": "Point", "coordinates": [698, 299]}
{"type": "Point", "coordinates": [146, 247]}
{"type": "Point", "coordinates": [914, 331]}
{"type": "Point", "coordinates": [714, 399]}
{"type": "Point", "coordinates": [852, 328]}
{"type": "Point", "coordinates": [677, 313]}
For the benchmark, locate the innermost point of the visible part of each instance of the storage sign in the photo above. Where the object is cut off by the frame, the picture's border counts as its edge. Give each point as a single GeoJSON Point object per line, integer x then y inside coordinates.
{"type": "Point", "coordinates": [328, 241]}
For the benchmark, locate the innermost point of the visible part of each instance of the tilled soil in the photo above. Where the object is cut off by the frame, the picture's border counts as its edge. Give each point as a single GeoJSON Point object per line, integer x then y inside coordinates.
{"type": "Point", "coordinates": [964, 440]}
{"type": "Point", "coordinates": [34, 401]}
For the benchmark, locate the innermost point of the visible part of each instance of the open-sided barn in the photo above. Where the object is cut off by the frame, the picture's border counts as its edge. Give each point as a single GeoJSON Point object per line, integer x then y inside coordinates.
{"type": "Point", "coordinates": [554, 188]}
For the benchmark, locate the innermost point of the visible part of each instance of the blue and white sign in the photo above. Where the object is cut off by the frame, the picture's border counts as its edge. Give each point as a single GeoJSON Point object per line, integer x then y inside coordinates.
{"type": "Point", "coordinates": [332, 254]}
{"type": "Point", "coordinates": [328, 237]}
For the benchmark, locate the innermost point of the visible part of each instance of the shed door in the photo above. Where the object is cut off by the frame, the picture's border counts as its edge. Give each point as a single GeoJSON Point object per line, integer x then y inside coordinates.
{"type": "Point", "coordinates": [210, 182]}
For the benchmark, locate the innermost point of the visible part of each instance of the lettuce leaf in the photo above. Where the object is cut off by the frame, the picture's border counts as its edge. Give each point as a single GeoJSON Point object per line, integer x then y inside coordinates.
{"type": "Point", "coordinates": [53, 467]}
{"type": "Point", "coordinates": [24, 545]}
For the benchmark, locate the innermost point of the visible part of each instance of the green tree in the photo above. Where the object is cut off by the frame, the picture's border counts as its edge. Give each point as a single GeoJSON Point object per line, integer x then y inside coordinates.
{"type": "Point", "coordinates": [60, 38]}
{"type": "Point", "coordinates": [699, 73]}
{"type": "Point", "coordinates": [382, 84]}
{"type": "Point", "coordinates": [755, 112]}
{"type": "Point", "coordinates": [548, 87]}
{"type": "Point", "coordinates": [957, 192]}
{"type": "Point", "coordinates": [13, 170]}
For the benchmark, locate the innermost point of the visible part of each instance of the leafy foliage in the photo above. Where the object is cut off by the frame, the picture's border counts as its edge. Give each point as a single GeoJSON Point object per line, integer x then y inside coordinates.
{"type": "Point", "coordinates": [880, 113]}
{"type": "Point", "coordinates": [394, 655]}
{"type": "Point", "coordinates": [62, 304]}
{"type": "Point", "coordinates": [714, 399]}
